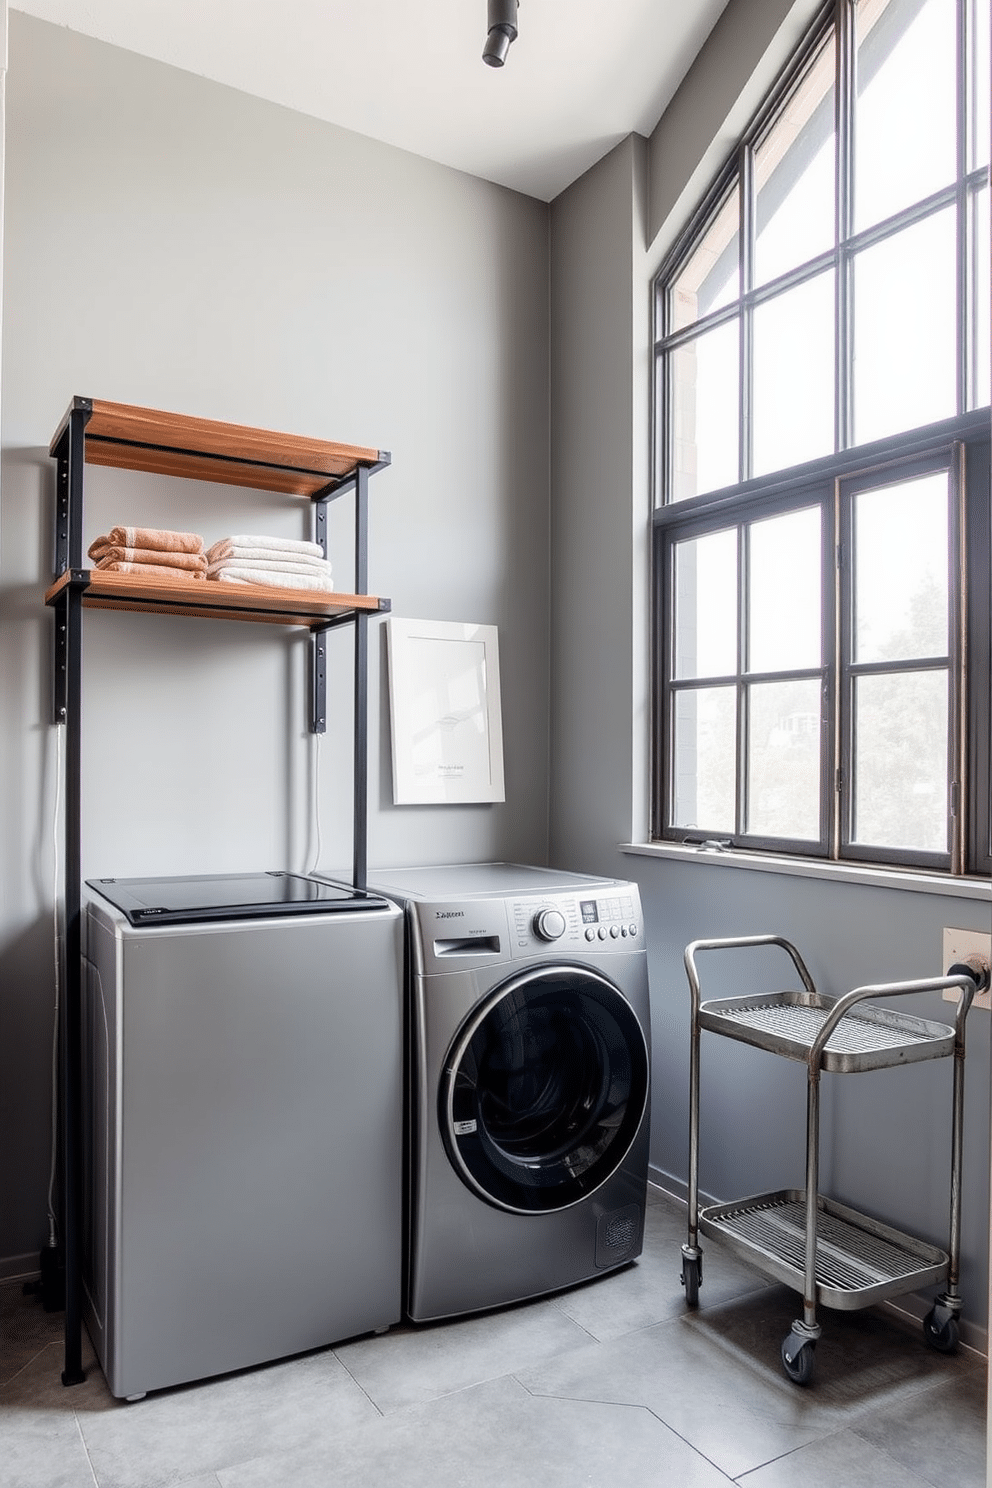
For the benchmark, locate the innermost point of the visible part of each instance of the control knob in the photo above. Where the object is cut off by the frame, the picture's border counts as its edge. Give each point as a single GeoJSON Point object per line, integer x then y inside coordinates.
{"type": "Point", "coordinates": [549, 924]}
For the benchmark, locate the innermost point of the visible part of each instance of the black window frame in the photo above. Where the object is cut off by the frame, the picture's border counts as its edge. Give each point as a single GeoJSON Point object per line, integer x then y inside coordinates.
{"type": "Point", "coordinates": [962, 441]}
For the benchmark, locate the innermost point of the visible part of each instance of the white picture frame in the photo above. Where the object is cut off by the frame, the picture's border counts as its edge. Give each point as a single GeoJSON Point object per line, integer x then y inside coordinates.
{"type": "Point", "coordinates": [445, 715]}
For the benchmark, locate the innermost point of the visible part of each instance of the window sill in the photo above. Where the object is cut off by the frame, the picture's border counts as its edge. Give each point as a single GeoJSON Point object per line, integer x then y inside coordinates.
{"type": "Point", "coordinates": [854, 873]}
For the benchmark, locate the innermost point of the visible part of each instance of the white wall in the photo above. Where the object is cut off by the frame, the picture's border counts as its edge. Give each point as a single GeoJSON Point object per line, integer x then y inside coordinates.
{"type": "Point", "coordinates": [180, 245]}
{"type": "Point", "coordinates": [885, 1136]}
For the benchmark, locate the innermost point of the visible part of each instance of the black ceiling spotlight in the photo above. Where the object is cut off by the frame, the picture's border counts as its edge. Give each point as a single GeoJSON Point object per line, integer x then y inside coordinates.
{"type": "Point", "coordinates": [502, 30]}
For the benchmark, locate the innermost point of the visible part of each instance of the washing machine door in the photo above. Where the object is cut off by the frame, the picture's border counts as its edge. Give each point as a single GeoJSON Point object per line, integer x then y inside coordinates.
{"type": "Point", "coordinates": [544, 1089]}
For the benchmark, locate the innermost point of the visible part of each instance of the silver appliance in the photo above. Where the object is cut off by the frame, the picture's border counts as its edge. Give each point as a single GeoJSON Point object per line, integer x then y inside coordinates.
{"type": "Point", "coordinates": [528, 1116]}
{"type": "Point", "coordinates": [242, 1122]}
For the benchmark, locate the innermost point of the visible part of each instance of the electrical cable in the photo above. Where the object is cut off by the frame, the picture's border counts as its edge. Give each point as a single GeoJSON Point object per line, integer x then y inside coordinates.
{"type": "Point", "coordinates": [315, 800]}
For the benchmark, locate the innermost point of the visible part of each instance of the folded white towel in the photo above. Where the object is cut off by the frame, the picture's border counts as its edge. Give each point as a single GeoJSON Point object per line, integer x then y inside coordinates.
{"type": "Point", "coordinates": [237, 545]}
{"type": "Point", "coordinates": [239, 573]}
{"type": "Point", "coordinates": [273, 558]}
{"type": "Point", "coordinates": [316, 568]}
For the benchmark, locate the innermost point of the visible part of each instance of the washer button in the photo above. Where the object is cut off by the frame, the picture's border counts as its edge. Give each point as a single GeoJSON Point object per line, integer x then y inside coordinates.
{"type": "Point", "coordinates": [615, 932]}
{"type": "Point", "coordinates": [590, 933]}
{"type": "Point", "coordinates": [633, 930]}
{"type": "Point", "coordinates": [602, 932]}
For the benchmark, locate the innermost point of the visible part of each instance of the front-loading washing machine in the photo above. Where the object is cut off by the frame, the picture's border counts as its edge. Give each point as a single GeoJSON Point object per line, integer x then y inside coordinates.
{"type": "Point", "coordinates": [529, 1038]}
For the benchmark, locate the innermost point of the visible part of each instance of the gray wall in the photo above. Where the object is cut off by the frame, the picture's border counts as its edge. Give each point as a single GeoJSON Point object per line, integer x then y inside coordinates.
{"type": "Point", "coordinates": [885, 1136]}
{"type": "Point", "coordinates": [180, 245]}
{"type": "Point", "coordinates": [599, 381]}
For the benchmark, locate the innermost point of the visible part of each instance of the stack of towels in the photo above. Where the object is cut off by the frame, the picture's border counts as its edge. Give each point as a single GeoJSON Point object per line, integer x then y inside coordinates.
{"type": "Point", "coordinates": [150, 550]}
{"type": "Point", "coordinates": [248, 558]}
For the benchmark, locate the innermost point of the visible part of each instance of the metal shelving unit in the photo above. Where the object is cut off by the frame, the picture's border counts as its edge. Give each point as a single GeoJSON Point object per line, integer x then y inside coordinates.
{"type": "Point", "coordinates": [829, 1253]}
{"type": "Point", "coordinates": [142, 439]}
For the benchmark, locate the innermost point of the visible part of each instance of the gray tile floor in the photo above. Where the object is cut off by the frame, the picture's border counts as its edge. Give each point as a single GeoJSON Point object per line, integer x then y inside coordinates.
{"type": "Point", "coordinates": [612, 1382]}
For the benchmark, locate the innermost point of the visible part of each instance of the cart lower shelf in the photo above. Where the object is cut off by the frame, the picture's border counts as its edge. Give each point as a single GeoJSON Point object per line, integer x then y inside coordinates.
{"type": "Point", "coordinates": [859, 1261]}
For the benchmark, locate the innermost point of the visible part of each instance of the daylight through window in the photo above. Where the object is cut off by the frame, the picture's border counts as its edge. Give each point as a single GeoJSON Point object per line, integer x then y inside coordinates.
{"type": "Point", "coordinates": [822, 460]}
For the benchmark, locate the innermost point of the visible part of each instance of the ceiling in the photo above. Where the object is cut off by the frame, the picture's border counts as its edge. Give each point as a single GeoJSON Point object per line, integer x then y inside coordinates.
{"type": "Point", "coordinates": [581, 75]}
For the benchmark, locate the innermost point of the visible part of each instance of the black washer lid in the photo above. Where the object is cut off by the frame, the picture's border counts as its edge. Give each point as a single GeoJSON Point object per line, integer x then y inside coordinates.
{"type": "Point", "coordinates": [228, 896]}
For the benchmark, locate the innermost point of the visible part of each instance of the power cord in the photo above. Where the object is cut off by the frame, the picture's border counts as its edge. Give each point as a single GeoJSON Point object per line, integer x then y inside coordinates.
{"type": "Point", "coordinates": [315, 800]}
{"type": "Point", "coordinates": [51, 1285]}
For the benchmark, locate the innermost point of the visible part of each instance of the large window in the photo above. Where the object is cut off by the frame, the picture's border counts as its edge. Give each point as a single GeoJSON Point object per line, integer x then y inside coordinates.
{"type": "Point", "coordinates": [822, 459]}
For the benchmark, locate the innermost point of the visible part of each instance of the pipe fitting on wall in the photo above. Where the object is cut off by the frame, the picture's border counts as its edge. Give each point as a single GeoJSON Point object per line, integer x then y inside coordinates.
{"type": "Point", "coordinates": [977, 967]}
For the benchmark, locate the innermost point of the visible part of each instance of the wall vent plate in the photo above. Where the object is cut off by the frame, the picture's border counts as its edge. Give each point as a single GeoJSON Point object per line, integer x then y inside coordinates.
{"type": "Point", "coordinates": [961, 943]}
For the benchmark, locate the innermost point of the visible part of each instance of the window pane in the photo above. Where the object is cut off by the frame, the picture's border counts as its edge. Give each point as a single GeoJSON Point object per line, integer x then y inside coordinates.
{"type": "Point", "coordinates": [784, 592]}
{"type": "Point", "coordinates": [711, 277]}
{"type": "Point", "coordinates": [706, 376]}
{"type": "Point", "coordinates": [793, 411]}
{"type": "Point", "coordinates": [705, 759]}
{"type": "Point", "coordinates": [794, 176]}
{"type": "Point", "coordinates": [905, 330]}
{"type": "Point", "coordinates": [900, 761]}
{"type": "Point", "coordinates": [981, 315]}
{"type": "Point", "coordinates": [706, 605]}
{"type": "Point", "coordinates": [905, 113]}
{"type": "Point", "coordinates": [981, 69]}
{"type": "Point", "coordinates": [900, 571]}
{"type": "Point", "coordinates": [783, 760]}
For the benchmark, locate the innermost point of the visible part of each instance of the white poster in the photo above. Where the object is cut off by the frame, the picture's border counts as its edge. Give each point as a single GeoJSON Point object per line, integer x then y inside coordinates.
{"type": "Point", "coordinates": [445, 712]}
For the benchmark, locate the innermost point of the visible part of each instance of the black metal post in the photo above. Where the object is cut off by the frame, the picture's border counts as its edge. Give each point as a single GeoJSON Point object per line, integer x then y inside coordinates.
{"type": "Point", "coordinates": [70, 1029]}
{"type": "Point", "coordinates": [361, 790]}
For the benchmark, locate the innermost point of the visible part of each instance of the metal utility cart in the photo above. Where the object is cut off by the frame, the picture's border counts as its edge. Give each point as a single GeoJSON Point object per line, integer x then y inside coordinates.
{"type": "Point", "coordinates": [829, 1253]}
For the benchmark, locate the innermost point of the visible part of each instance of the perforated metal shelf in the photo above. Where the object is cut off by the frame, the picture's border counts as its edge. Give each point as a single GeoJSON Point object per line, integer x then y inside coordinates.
{"type": "Point", "coordinates": [859, 1261]}
{"type": "Point", "coordinates": [788, 1023]}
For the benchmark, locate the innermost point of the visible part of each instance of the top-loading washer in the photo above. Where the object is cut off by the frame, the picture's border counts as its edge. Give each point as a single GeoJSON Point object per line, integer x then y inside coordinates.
{"type": "Point", "coordinates": [529, 1038]}
{"type": "Point", "coordinates": [242, 1121]}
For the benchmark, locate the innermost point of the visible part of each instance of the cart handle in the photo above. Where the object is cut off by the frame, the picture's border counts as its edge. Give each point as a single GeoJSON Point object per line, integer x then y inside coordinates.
{"type": "Point", "coordinates": [964, 984]}
{"type": "Point", "coordinates": [735, 943]}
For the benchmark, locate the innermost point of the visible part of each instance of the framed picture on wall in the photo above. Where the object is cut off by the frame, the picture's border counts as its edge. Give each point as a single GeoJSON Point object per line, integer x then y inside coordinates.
{"type": "Point", "coordinates": [446, 725]}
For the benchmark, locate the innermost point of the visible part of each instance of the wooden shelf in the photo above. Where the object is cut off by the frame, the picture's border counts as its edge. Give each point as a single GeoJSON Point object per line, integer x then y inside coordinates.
{"type": "Point", "coordinates": [130, 438]}
{"type": "Point", "coordinates": [211, 599]}
{"type": "Point", "coordinates": [133, 438]}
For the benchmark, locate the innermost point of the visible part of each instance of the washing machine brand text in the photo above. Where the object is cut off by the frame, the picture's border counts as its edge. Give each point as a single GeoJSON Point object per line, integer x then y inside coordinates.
{"type": "Point", "coordinates": [451, 914]}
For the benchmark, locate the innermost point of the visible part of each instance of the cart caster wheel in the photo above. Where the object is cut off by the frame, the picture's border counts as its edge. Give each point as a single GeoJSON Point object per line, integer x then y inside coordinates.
{"type": "Point", "coordinates": [799, 1367]}
{"type": "Point", "coordinates": [692, 1275]}
{"type": "Point", "coordinates": [942, 1337]}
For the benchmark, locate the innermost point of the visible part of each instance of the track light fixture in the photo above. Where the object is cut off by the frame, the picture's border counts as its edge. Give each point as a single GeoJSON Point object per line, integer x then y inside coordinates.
{"type": "Point", "coordinates": [502, 30]}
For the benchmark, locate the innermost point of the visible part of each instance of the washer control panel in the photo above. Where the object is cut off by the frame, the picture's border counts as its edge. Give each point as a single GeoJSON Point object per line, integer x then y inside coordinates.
{"type": "Point", "coordinates": [610, 921]}
{"type": "Point", "coordinates": [468, 933]}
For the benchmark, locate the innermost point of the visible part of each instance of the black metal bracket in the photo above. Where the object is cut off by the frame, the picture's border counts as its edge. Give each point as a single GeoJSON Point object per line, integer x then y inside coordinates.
{"type": "Point", "coordinates": [69, 449]}
{"type": "Point", "coordinates": [318, 638]}
{"type": "Point", "coordinates": [78, 580]}
{"type": "Point", "coordinates": [318, 670]}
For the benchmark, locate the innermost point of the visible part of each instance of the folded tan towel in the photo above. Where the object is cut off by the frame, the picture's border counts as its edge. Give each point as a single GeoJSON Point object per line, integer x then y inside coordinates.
{"type": "Point", "coordinates": [162, 540]}
{"type": "Point", "coordinates": [237, 573]}
{"type": "Point", "coordinates": [243, 544]}
{"type": "Point", "coordinates": [194, 562]}
{"type": "Point", "coordinates": [157, 570]}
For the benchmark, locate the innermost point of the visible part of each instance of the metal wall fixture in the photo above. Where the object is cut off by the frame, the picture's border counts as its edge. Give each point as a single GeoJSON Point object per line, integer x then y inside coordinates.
{"type": "Point", "coordinates": [502, 21]}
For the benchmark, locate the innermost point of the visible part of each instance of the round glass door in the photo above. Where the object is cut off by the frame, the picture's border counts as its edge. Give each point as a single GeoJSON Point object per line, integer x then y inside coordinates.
{"type": "Point", "coordinates": [544, 1089]}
